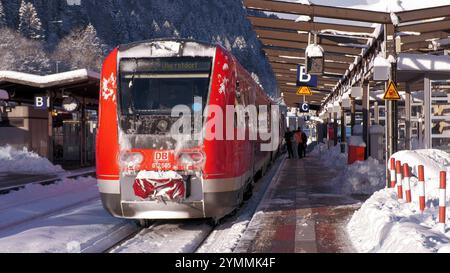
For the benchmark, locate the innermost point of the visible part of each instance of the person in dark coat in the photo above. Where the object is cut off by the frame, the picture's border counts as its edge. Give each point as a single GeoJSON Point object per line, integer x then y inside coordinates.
{"type": "Point", "coordinates": [305, 143]}
{"type": "Point", "coordinates": [299, 141]}
{"type": "Point", "coordinates": [288, 138]}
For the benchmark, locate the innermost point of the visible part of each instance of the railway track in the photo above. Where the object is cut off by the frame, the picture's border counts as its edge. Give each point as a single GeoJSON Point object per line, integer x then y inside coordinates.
{"type": "Point", "coordinates": [49, 180]}
{"type": "Point", "coordinates": [197, 235]}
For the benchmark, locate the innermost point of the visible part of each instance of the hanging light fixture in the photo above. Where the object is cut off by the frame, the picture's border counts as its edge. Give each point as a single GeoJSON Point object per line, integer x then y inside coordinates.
{"type": "Point", "coordinates": [315, 61]}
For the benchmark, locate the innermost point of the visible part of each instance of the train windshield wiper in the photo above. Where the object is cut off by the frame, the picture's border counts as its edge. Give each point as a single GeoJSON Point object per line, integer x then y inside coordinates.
{"type": "Point", "coordinates": [131, 107]}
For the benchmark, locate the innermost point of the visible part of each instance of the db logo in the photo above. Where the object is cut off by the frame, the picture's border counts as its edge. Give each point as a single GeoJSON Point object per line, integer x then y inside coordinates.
{"type": "Point", "coordinates": [162, 156]}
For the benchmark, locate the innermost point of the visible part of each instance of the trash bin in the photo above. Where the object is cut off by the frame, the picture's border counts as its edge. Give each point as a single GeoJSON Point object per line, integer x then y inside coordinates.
{"type": "Point", "coordinates": [356, 150]}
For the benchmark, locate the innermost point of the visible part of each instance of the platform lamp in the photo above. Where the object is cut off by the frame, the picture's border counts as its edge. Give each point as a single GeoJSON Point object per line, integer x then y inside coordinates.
{"type": "Point", "coordinates": [314, 55]}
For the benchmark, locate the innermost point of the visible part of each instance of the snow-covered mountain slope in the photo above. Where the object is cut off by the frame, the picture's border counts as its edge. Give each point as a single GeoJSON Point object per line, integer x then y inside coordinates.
{"type": "Point", "coordinates": [123, 21]}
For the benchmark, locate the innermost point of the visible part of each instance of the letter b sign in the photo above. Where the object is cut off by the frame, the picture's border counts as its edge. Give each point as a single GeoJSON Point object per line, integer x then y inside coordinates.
{"type": "Point", "coordinates": [304, 79]}
{"type": "Point", "coordinates": [41, 102]}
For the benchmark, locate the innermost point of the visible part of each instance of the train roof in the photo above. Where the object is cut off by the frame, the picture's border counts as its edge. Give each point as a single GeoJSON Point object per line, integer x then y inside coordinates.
{"type": "Point", "coordinates": [124, 47]}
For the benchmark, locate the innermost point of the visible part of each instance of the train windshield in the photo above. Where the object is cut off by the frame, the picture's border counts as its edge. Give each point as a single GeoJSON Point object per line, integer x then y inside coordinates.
{"type": "Point", "coordinates": [155, 86]}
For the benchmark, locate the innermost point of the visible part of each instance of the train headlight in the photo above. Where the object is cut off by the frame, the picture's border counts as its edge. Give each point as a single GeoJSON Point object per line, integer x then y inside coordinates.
{"type": "Point", "coordinates": [132, 159]}
{"type": "Point", "coordinates": [191, 158]}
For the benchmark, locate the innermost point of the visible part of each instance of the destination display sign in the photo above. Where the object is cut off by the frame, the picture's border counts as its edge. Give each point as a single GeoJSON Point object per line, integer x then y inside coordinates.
{"type": "Point", "coordinates": [166, 65]}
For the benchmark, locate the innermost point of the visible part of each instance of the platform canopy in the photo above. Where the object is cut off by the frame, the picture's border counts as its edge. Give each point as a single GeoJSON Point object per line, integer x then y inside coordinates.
{"type": "Point", "coordinates": [347, 35]}
{"type": "Point", "coordinates": [23, 87]}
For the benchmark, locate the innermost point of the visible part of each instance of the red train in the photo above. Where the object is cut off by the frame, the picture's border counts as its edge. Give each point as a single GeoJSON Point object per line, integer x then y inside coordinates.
{"type": "Point", "coordinates": [142, 172]}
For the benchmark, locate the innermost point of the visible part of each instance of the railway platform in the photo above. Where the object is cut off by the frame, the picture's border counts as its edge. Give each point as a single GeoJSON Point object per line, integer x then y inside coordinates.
{"type": "Point", "coordinates": [301, 212]}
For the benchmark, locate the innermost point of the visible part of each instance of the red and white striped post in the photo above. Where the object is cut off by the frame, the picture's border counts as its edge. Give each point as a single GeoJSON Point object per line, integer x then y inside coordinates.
{"type": "Point", "coordinates": [392, 171]}
{"type": "Point", "coordinates": [442, 198]}
{"type": "Point", "coordinates": [421, 188]}
{"type": "Point", "coordinates": [399, 180]}
{"type": "Point", "coordinates": [406, 182]}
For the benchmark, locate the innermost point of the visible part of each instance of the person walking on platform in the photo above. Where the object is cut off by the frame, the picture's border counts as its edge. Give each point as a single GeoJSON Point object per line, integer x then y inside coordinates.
{"type": "Point", "coordinates": [305, 143]}
{"type": "Point", "coordinates": [288, 138]}
{"type": "Point", "coordinates": [299, 140]}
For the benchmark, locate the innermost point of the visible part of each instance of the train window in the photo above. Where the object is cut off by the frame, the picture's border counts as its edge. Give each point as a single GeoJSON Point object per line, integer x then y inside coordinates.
{"type": "Point", "coordinates": [153, 87]}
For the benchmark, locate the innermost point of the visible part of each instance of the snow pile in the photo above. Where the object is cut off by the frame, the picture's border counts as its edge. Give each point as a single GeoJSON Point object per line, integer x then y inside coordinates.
{"type": "Point", "coordinates": [23, 161]}
{"type": "Point", "coordinates": [331, 158]}
{"type": "Point", "coordinates": [434, 161]}
{"type": "Point", "coordinates": [384, 224]}
{"type": "Point", "coordinates": [362, 177]}
{"type": "Point", "coordinates": [357, 141]}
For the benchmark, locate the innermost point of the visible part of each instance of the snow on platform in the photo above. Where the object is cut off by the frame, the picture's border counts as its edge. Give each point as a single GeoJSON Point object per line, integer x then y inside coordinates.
{"type": "Point", "coordinates": [301, 212]}
{"type": "Point", "coordinates": [384, 224]}
{"type": "Point", "coordinates": [360, 178]}
{"type": "Point", "coordinates": [25, 162]}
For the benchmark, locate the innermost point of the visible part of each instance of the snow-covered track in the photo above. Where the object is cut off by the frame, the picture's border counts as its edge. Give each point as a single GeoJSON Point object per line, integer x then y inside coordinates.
{"type": "Point", "coordinates": [59, 176]}
{"type": "Point", "coordinates": [83, 227]}
{"type": "Point", "coordinates": [167, 237]}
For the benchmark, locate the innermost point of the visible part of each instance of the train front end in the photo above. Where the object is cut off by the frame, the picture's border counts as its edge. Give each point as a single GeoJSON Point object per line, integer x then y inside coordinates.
{"type": "Point", "coordinates": [143, 171]}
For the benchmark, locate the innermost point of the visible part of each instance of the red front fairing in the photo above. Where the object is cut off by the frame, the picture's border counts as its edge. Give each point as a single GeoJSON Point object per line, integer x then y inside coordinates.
{"type": "Point", "coordinates": [107, 134]}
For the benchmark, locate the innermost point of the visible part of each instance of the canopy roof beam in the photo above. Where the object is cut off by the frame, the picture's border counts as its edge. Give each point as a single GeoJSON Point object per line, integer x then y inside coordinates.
{"type": "Point", "coordinates": [319, 11]}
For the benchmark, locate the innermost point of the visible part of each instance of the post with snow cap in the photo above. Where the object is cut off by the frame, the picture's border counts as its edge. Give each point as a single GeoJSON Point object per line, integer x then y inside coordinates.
{"type": "Point", "coordinates": [442, 198]}
{"type": "Point", "coordinates": [421, 188]}
{"type": "Point", "coordinates": [392, 172]}
{"type": "Point", "coordinates": [399, 180]}
{"type": "Point", "coordinates": [406, 182]}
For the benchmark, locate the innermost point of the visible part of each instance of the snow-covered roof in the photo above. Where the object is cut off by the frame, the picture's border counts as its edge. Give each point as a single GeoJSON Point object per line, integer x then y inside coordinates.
{"type": "Point", "coordinates": [48, 80]}
{"type": "Point", "coordinates": [423, 62]}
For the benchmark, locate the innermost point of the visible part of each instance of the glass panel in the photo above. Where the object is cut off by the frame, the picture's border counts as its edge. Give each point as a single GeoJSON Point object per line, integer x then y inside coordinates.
{"type": "Point", "coordinates": [440, 115]}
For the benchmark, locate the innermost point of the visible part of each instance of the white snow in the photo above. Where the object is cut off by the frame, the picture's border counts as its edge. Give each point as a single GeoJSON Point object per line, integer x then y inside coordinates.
{"type": "Point", "coordinates": [303, 18]}
{"type": "Point", "coordinates": [64, 217]}
{"type": "Point", "coordinates": [384, 224]}
{"type": "Point", "coordinates": [49, 80]}
{"type": "Point", "coordinates": [25, 162]}
{"type": "Point", "coordinates": [423, 62]}
{"type": "Point", "coordinates": [362, 177]}
{"type": "Point", "coordinates": [379, 61]}
{"type": "Point", "coordinates": [434, 161]}
{"type": "Point", "coordinates": [314, 50]}
{"type": "Point", "coordinates": [304, 2]}
{"type": "Point", "coordinates": [356, 141]}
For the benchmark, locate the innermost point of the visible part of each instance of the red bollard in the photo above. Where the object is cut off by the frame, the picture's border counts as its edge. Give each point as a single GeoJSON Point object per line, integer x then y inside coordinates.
{"type": "Point", "coordinates": [392, 170]}
{"type": "Point", "coordinates": [399, 180]}
{"type": "Point", "coordinates": [406, 182]}
{"type": "Point", "coordinates": [421, 188]}
{"type": "Point", "coordinates": [442, 197]}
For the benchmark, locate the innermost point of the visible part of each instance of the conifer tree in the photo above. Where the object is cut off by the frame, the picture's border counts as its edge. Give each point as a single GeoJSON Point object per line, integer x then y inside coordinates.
{"type": "Point", "coordinates": [2, 16]}
{"type": "Point", "coordinates": [80, 49]}
{"type": "Point", "coordinates": [30, 25]}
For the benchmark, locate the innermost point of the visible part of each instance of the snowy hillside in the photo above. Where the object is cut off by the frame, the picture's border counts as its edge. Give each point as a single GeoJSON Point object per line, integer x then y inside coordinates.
{"type": "Point", "coordinates": [53, 27]}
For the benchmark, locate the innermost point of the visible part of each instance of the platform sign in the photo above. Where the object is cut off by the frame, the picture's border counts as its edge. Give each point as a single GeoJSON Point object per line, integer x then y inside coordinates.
{"type": "Point", "coordinates": [392, 92]}
{"type": "Point", "coordinates": [304, 91]}
{"type": "Point", "coordinates": [41, 102]}
{"type": "Point", "coordinates": [304, 79]}
{"type": "Point", "coordinates": [304, 108]}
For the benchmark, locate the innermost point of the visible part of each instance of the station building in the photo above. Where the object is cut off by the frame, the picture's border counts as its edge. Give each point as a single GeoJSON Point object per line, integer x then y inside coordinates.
{"type": "Point", "coordinates": [54, 116]}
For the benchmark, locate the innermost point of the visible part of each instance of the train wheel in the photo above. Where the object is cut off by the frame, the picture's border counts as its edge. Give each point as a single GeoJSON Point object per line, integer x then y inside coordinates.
{"type": "Point", "coordinates": [143, 223]}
